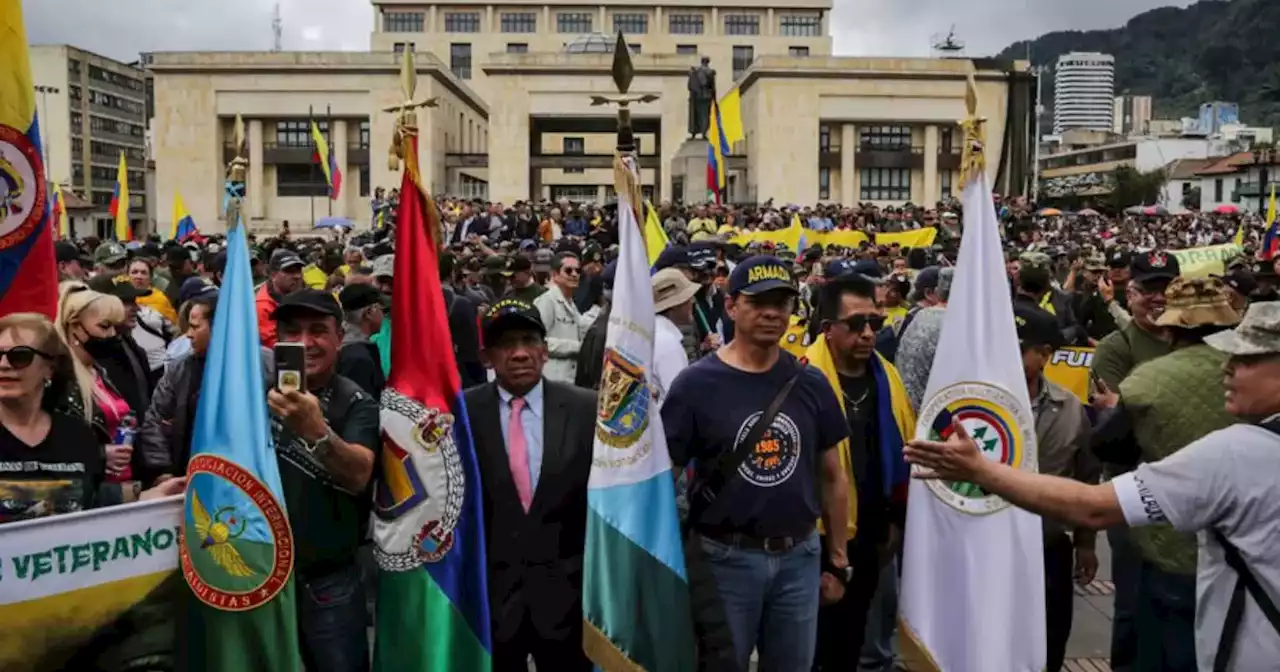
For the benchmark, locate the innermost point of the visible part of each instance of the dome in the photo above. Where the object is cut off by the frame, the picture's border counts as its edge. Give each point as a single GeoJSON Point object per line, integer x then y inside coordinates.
{"type": "Point", "coordinates": [591, 43]}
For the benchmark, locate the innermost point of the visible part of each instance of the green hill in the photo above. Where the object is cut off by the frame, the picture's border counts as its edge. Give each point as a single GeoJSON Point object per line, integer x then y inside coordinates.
{"type": "Point", "coordinates": [1213, 50]}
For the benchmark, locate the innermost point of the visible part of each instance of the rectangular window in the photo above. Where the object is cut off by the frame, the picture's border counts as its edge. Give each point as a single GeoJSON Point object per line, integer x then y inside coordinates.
{"type": "Point", "coordinates": [574, 22]}
{"type": "Point", "coordinates": [297, 133]}
{"type": "Point", "coordinates": [517, 47]}
{"type": "Point", "coordinates": [824, 138]}
{"type": "Point", "coordinates": [460, 60]}
{"type": "Point", "coordinates": [885, 138]}
{"type": "Point", "coordinates": [1217, 190]}
{"type": "Point", "coordinates": [300, 179]}
{"type": "Point", "coordinates": [364, 134]}
{"type": "Point", "coordinates": [462, 22]}
{"type": "Point", "coordinates": [630, 23]}
{"type": "Point", "coordinates": [886, 184]}
{"type": "Point", "coordinates": [945, 136]}
{"type": "Point", "coordinates": [634, 47]}
{"type": "Point", "coordinates": [73, 92]}
{"type": "Point", "coordinates": [742, 58]}
{"type": "Point", "coordinates": [519, 22]}
{"type": "Point", "coordinates": [687, 49]}
{"type": "Point", "coordinates": [364, 180]}
{"type": "Point", "coordinates": [824, 184]}
{"type": "Point", "coordinates": [400, 47]}
{"type": "Point", "coordinates": [403, 22]}
{"type": "Point", "coordinates": [685, 24]}
{"type": "Point", "coordinates": [798, 51]}
{"type": "Point", "coordinates": [944, 178]}
{"type": "Point", "coordinates": [574, 147]}
{"type": "Point", "coordinates": [801, 25]}
{"type": "Point", "coordinates": [741, 24]}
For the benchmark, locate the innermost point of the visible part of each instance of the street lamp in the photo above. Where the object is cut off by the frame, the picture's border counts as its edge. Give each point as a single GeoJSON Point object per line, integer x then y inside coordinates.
{"type": "Point", "coordinates": [44, 91]}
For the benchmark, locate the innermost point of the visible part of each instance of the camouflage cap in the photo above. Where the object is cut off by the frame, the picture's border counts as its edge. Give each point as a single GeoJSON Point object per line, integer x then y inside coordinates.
{"type": "Point", "coordinates": [1095, 262]}
{"type": "Point", "coordinates": [1035, 259]}
{"type": "Point", "coordinates": [1258, 333]}
{"type": "Point", "coordinates": [1198, 302]}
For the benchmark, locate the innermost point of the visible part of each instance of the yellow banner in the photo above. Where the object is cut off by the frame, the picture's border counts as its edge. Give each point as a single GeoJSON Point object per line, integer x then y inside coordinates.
{"type": "Point", "coordinates": [792, 237]}
{"type": "Point", "coordinates": [918, 238]}
{"type": "Point", "coordinates": [1199, 262]}
{"type": "Point", "coordinates": [1069, 368]}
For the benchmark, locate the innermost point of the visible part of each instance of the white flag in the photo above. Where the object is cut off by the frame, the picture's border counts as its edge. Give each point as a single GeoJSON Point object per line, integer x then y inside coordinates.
{"type": "Point", "coordinates": [973, 571]}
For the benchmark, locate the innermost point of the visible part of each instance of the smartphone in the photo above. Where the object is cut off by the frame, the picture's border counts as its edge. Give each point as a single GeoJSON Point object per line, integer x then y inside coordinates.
{"type": "Point", "coordinates": [291, 367]}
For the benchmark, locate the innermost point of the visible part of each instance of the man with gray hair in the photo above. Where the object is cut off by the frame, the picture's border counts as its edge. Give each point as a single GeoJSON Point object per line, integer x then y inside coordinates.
{"type": "Point", "coordinates": [358, 358]}
{"type": "Point", "coordinates": [919, 340]}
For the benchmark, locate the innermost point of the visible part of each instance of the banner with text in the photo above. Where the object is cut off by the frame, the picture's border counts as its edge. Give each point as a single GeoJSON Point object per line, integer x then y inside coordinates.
{"type": "Point", "coordinates": [842, 237]}
{"type": "Point", "coordinates": [1199, 262]}
{"type": "Point", "coordinates": [95, 590]}
{"type": "Point", "coordinates": [1069, 368]}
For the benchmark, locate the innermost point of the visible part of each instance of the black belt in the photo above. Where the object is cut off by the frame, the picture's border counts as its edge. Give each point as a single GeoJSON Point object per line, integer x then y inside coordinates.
{"type": "Point", "coordinates": [754, 543]}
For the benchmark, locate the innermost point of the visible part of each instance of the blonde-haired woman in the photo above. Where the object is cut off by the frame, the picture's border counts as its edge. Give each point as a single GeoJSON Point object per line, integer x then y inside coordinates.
{"type": "Point", "coordinates": [88, 321]}
{"type": "Point", "coordinates": [53, 462]}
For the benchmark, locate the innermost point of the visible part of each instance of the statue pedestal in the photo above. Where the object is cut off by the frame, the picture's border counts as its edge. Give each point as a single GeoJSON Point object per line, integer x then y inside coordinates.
{"type": "Point", "coordinates": [689, 173]}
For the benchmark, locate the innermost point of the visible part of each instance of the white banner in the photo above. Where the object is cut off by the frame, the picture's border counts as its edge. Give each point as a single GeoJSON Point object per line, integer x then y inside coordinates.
{"type": "Point", "coordinates": [50, 556]}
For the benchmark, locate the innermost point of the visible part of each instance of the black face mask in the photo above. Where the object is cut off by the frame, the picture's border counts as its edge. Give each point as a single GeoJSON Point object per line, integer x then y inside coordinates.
{"type": "Point", "coordinates": [102, 347]}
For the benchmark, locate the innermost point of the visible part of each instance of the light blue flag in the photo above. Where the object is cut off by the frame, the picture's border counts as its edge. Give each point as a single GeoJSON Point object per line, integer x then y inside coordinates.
{"type": "Point", "coordinates": [237, 548]}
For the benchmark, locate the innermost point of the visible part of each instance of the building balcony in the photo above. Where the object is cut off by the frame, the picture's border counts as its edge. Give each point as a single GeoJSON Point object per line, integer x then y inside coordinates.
{"type": "Point", "coordinates": [274, 153]}
{"type": "Point", "coordinates": [583, 161]}
{"type": "Point", "coordinates": [949, 159]}
{"type": "Point", "coordinates": [879, 156]}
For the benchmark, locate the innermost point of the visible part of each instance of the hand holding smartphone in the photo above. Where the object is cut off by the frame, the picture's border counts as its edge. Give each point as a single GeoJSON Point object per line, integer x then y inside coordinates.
{"type": "Point", "coordinates": [291, 367]}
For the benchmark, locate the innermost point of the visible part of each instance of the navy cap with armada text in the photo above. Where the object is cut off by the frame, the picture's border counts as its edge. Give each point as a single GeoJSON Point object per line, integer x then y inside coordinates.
{"type": "Point", "coordinates": [761, 274]}
{"type": "Point", "coordinates": [510, 314]}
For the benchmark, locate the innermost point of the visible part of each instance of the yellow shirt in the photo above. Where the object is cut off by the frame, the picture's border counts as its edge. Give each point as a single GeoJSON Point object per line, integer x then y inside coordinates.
{"type": "Point", "coordinates": [314, 277]}
{"type": "Point", "coordinates": [158, 302]}
{"type": "Point", "coordinates": [894, 314]}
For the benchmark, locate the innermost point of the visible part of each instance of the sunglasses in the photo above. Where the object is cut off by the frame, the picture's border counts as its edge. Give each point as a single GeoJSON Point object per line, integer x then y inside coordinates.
{"type": "Point", "coordinates": [22, 356]}
{"type": "Point", "coordinates": [856, 323]}
{"type": "Point", "coordinates": [570, 270]}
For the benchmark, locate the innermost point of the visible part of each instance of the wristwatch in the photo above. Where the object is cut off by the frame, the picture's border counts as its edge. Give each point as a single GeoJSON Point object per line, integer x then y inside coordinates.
{"type": "Point", "coordinates": [843, 574]}
{"type": "Point", "coordinates": [319, 448]}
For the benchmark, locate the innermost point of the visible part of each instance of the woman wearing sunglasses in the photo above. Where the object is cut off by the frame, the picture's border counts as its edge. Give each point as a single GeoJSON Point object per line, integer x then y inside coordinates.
{"type": "Point", "coordinates": [50, 463]}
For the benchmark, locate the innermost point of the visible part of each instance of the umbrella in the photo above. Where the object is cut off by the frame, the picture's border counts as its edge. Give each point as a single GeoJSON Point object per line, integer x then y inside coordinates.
{"type": "Point", "coordinates": [1155, 211]}
{"type": "Point", "coordinates": [1051, 212]}
{"type": "Point", "coordinates": [1088, 212]}
{"type": "Point", "coordinates": [1227, 209]}
{"type": "Point", "coordinates": [335, 223]}
{"type": "Point", "coordinates": [1135, 210]}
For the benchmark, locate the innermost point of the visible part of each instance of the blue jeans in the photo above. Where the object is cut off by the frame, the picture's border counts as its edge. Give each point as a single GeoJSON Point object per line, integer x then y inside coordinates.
{"type": "Point", "coordinates": [331, 621]}
{"type": "Point", "coordinates": [1165, 621]}
{"type": "Point", "coordinates": [1126, 566]}
{"type": "Point", "coordinates": [770, 601]}
{"type": "Point", "coordinates": [878, 645]}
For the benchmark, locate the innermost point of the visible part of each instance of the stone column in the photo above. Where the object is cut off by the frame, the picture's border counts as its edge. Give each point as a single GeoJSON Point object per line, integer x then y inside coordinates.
{"type": "Point", "coordinates": [931, 189]}
{"type": "Point", "coordinates": [601, 194]}
{"type": "Point", "coordinates": [509, 144]}
{"type": "Point", "coordinates": [768, 23]}
{"type": "Point", "coordinates": [848, 165]}
{"type": "Point", "coordinates": [338, 145]}
{"type": "Point", "coordinates": [431, 20]}
{"type": "Point", "coordinates": [257, 199]}
{"type": "Point", "coordinates": [604, 21]}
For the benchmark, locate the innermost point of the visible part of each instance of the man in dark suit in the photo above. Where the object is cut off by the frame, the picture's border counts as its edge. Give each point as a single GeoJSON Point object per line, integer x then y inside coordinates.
{"type": "Point", "coordinates": [534, 439]}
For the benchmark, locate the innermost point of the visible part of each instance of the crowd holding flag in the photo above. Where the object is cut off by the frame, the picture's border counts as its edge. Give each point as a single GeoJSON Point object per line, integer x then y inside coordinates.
{"type": "Point", "coordinates": [58, 212]}
{"type": "Point", "coordinates": [182, 224]}
{"type": "Point", "coordinates": [28, 276]}
{"type": "Point", "coordinates": [635, 594]}
{"type": "Point", "coordinates": [236, 546]}
{"type": "Point", "coordinates": [724, 130]}
{"type": "Point", "coordinates": [655, 237]}
{"type": "Point", "coordinates": [328, 162]}
{"type": "Point", "coordinates": [433, 605]}
{"type": "Point", "coordinates": [119, 207]}
{"type": "Point", "coordinates": [973, 573]}
{"type": "Point", "coordinates": [1271, 240]}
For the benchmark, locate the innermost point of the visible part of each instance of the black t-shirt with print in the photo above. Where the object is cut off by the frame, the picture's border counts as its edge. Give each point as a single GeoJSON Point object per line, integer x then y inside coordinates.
{"type": "Point", "coordinates": [59, 475]}
{"type": "Point", "coordinates": [711, 406]}
{"type": "Point", "coordinates": [328, 523]}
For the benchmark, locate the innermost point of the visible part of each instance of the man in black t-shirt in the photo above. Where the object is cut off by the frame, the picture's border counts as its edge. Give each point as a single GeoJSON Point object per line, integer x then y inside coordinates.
{"type": "Point", "coordinates": [757, 538]}
{"type": "Point", "coordinates": [325, 439]}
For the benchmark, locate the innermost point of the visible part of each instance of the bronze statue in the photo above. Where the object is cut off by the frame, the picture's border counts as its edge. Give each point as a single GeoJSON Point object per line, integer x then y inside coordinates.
{"type": "Point", "coordinates": [702, 91]}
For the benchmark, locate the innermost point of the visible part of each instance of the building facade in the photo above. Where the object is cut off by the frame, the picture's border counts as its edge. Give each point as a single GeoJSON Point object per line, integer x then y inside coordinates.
{"type": "Point", "coordinates": [1132, 115]}
{"type": "Point", "coordinates": [92, 109]}
{"type": "Point", "coordinates": [1084, 92]}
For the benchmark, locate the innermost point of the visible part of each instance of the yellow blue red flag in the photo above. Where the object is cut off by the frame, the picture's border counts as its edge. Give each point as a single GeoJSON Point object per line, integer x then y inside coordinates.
{"type": "Point", "coordinates": [28, 276]}
{"type": "Point", "coordinates": [183, 225]}
{"type": "Point", "coordinates": [119, 207]}
{"type": "Point", "coordinates": [324, 156]}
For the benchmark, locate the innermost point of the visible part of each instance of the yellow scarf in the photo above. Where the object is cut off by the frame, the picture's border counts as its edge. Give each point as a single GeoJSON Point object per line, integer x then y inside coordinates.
{"type": "Point", "coordinates": [888, 384]}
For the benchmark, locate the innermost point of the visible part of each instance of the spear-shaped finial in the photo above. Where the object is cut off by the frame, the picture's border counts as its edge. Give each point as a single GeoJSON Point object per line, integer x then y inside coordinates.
{"type": "Point", "coordinates": [406, 124]}
{"type": "Point", "coordinates": [973, 160]}
{"type": "Point", "coordinates": [233, 199]}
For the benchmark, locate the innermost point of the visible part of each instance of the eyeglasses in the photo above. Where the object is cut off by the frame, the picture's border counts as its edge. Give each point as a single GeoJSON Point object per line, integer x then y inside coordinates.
{"type": "Point", "coordinates": [570, 270]}
{"type": "Point", "coordinates": [856, 323]}
{"type": "Point", "coordinates": [22, 356]}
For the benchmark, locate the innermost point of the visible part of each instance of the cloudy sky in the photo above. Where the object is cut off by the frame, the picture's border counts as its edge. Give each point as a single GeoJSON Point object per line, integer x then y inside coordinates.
{"type": "Point", "coordinates": [123, 28]}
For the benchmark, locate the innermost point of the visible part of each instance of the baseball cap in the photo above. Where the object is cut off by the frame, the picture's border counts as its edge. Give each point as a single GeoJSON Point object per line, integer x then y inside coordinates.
{"type": "Point", "coordinates": [672, 257]}
{"type": "Point", "coordinates": [496, 265]}
{"type": "Point", "coordinates": [309, 302]}
{"type": "Point", "coordinates": [528, 245]}
{"type": "Point", "coordinates": [519, 264]}
{"type": "Point", "coordinates": [1037, 327]}
{"type": "Point", "coordinates": [927, 278]}
{"type": "Point", "coordinates": [761, 274]}
{"type": "Point", "coordinates": [194, 287]}
{"type": "Point", "coordinates": [117, 286]}
{"type": "Point", "coordinates": [359, 296]}
{"type": "Point", "coordinates": [1035, 260]}
{"type": "Point", "coordinates": [1257, 334]}
{"type": "Point", "coordinates": [1241, 280]}
{"type": "Point", "coordinates": [282, 259]}
{"type": "Point", "coordinates": [542, 260]}
{"type": "Point", "coordinates": [510, 314]}
{"type": "Point", "coordinates": [838, 267]}
{"type": "Point", "coordinates": [66, 251]}
{"type": "Point", "coordinates": [1119, 259]}
{"type": "Point", "coordinates": [177, 254]}
{"type": "Point", "coordinates": [1095, 262]}
{"type": "Point", "coordinates": [1154, 265]}
{"type": "Point", "coordinates": [899, 282]}
{"type": "Point", "coordinates": [671, 288]}
{"type": "Point", "coordinates": [703, 255]}
{"type": "Point", "coordinates": [109, 254]}
{"type": "Point", "coordinates": [870, 269]}
{"type": "Point", "coordinates": [1263, 269]}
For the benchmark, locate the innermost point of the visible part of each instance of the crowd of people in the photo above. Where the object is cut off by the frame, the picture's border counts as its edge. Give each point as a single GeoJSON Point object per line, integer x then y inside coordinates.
{"type": "Point", "coordinates": [844, 337]}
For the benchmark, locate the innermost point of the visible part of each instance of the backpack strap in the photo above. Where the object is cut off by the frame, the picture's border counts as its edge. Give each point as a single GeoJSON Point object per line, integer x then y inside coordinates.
{"type": "Point", "coordinates": [1245, 582]}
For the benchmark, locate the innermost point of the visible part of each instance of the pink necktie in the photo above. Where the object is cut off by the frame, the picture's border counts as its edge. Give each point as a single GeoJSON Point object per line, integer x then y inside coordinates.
{"type": "Point", "coordinates": [518, 454]}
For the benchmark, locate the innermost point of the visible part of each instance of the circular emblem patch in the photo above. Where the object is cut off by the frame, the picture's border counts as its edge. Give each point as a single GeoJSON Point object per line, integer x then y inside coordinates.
{"type": "Point", "coordinates": [22, 187]}
{"type": "Point", "coordinates": [236, 545]}
{"type": "Point", "coordinates": [774, 458]}
{"type": "Point", "coordinates": [1002, 428]}
{"type": "Point", "coordinates": [624, 401]}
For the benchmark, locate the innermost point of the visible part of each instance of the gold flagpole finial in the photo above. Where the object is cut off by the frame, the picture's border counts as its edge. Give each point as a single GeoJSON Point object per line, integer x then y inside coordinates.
{"type": "Point", "coordinates": [233, 199]}
{"type": "Point", "coordinates": [406, 124]}
{"type": "Point", "coordinates": [973, 159]}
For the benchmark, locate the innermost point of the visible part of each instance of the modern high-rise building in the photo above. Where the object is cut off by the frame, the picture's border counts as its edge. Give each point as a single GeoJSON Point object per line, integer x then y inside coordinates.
{"type": "Point", "coordinates": [92, 109]}
{"type": "Point", "coordinates": [1132, 115]}
{"type": "Point", "coordinates": [1084, 92]}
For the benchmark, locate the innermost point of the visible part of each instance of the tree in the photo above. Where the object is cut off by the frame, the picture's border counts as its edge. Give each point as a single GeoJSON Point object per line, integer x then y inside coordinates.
{"type": "Point", "coordinates": [1131, 187]}
{"type": "Point", "coordinates": [1191, 199]}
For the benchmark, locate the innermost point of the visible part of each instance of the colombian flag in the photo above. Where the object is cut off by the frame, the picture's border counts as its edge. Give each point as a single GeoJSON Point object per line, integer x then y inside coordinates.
{"type": "Point", "coordinates": [119, 207]}
{"type": "Point", "coordinates": [433, 599]}
{"type": "Point", "coordinates": [183, 225]}
{"type": "Point", "coordinates": [1271, 241]}
{"type": "Point", "coordinates": [59, 212]}
{"type": "Point", "coordinates": [327, 161]}
{"type": "Point", "coordinates": [28, 276]}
